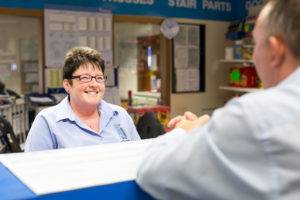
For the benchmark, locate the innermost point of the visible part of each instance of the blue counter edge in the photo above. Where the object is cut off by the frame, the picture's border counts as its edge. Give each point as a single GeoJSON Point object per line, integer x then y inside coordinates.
{"type": "Point", "coordinates": [12, 188]}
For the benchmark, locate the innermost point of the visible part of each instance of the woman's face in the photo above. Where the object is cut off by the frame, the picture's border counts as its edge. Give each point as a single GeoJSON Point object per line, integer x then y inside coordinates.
{"type": "Point", "coordinates": [84, 93]}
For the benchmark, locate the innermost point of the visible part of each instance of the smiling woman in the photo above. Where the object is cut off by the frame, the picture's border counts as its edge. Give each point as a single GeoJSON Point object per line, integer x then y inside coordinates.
{"type": "Point", "coordinates": [82, 118]}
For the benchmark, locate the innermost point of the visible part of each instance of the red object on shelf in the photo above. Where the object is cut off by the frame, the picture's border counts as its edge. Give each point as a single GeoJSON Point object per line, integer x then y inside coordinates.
{"type": "Point", "coordinates": [129, 97]}
{"type": "Point", "coordinates": [249, 77]}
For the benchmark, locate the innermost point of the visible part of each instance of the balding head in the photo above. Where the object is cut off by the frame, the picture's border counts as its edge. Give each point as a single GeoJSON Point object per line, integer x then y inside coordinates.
{"type": "Point", "coordinates": [281, 18]}
{"type": "Point", "coordinates": [277, 37]}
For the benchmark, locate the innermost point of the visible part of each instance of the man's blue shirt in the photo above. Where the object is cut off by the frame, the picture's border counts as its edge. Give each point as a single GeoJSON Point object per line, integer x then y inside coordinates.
{"type": "Point", "coordinates": [248, 150]}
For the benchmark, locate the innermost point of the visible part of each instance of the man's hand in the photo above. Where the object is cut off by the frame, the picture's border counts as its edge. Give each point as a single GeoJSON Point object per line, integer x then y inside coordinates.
{"type": "Point", "coordinates": [188, 121]}
{"type": "Point", "coordinates": [189, 125]}
{"type": "Point", "coordinates": [187, 115]}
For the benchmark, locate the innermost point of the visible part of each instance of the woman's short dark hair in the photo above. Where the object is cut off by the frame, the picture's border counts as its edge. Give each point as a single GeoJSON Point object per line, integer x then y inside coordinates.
{"type": "Point", "coordinates": [78, 56]}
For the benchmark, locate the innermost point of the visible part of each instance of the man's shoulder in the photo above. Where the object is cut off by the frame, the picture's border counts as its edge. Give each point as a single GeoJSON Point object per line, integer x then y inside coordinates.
{"type": "Point", "coordinates": [265, 104]}
{"type": "Point", "coordinates": [259, 98]}
{"type": "Point", "coordinates": [253, 104]}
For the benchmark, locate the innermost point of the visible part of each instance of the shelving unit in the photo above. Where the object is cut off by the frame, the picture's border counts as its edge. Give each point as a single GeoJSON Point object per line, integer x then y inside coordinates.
{"type": "Point", "coordinates": [248, 45]}
{"type": "Point", "coordinates": [245, 80]}
{"type": "Point", "coordinates": [17, 115]}
{"type": "Point", "coordinates": [242, 61]}
{"type": "Point", "coordinates": [240, 89]}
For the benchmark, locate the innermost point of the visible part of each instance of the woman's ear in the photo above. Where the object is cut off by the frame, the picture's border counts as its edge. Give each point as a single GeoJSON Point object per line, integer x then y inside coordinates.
{"type": "Point", "coordinates": [278, 50]}
{"type": "Point", "coordinates": [66, 85]}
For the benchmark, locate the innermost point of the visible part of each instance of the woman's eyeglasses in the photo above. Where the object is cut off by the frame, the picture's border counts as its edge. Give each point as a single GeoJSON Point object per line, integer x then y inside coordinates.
{"type": "Point", "coordinates": [88, 78]}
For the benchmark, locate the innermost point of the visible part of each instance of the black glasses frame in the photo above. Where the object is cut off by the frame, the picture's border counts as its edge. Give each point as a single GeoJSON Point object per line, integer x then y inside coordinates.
{"type": "Point", "coordinates": [88, 78]}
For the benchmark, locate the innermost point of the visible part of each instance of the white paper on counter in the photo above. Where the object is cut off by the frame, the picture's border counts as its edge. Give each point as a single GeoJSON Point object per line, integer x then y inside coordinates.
{"type": "Point", "coordinates": [67, 169]}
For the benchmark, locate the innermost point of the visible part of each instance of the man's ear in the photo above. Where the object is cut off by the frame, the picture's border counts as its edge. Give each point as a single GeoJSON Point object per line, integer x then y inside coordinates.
{"type": "Point", "coordinates": [277, 51]}
{"type": "Point", "coordinates": [66, 85]}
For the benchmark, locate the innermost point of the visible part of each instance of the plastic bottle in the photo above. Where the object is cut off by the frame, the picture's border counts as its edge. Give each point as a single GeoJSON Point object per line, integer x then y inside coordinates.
{"type": "Point", "coordinates": [238, 49]}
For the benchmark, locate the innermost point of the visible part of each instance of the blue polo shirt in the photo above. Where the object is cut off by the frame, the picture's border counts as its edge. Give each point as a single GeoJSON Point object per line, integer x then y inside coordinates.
{"type": "Point", "coordinates": [58, 127]}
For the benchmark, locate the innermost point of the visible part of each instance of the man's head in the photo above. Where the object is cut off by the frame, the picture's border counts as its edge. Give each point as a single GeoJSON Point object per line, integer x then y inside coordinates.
{"type": "Point", "coordinates": [79, 56]}
{"type": "Point", "coordinates": [277, 38]}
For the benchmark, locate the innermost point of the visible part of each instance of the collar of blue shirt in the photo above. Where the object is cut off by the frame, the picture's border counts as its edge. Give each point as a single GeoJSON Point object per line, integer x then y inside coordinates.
{"type": "Point", "coordinates": [64, 111]}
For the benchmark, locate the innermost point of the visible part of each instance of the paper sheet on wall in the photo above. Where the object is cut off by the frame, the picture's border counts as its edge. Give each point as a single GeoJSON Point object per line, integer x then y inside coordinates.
{"type": "Point", "coordinates": [68, 169]}
{"type": "Point", "coordinates": [31, 66]}
{"type": "Point", "coordinates": [29, 49]}
{"type": "Point", "coordinates": [187, 80]}
{"type": "Point", "coordinates": [99, 23]}
{"type": "Point", "coordinates": [193, 36]}
{"type": "Point", "coordinates": [5, 72]}
{"type": "Point", "coordinates": [31, 77]}
{"type": "Point", "coordinates": [91, 23]}
{"type": "Point", "coordinates": [54, 77]}
{"type": "Point", "coordinates": [181, 55]}
{"type": "Point", "coordinates": [82, 41]}
{"type": "Point", "coordinates": [82, 23]}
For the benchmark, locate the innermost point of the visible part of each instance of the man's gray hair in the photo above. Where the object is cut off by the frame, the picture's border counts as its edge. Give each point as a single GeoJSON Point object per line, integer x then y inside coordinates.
{"type": "Point", "coordinates": [283, 20]}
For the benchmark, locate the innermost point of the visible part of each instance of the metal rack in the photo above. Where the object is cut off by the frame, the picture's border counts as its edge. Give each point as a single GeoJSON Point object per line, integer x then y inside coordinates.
{"type": "Point", "coordinates": [17, 116]}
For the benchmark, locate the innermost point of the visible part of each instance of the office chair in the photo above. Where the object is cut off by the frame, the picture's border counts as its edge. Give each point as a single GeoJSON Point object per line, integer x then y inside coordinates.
{"type": "Point", "coordinates": [148, 126]}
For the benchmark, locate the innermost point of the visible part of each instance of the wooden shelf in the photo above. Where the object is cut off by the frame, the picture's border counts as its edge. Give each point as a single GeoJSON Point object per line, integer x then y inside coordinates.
{"type": "Point", "coordinates": [239, 89]}
{"type": "Point", "coordinates": [249, 45]}
{"type": "Point", "coordinates": [7, 61]}
{"type": "Point", "coordinates": [237, 61]}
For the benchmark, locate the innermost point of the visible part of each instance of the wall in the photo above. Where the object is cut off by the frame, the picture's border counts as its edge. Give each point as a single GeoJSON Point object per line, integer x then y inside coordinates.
{"type": "Point", "coordinates": [216, 74]}
{"type": "Point", "coordinates": [20, 37]}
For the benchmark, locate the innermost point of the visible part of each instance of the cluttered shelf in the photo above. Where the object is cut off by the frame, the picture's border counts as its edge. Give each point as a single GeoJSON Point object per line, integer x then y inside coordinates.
{"type": "Point", "coordinates": [240, 89]}
{"type": "Point", "coordinates": [239, 56]}
{"type": "Point", "coordinates": [242, 61]}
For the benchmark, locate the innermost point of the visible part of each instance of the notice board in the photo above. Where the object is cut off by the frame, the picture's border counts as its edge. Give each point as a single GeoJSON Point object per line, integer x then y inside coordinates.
{"type": "Point", "coordinates": [188, 71]}
{"type": "Point", "coordinates": [67, 27]}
